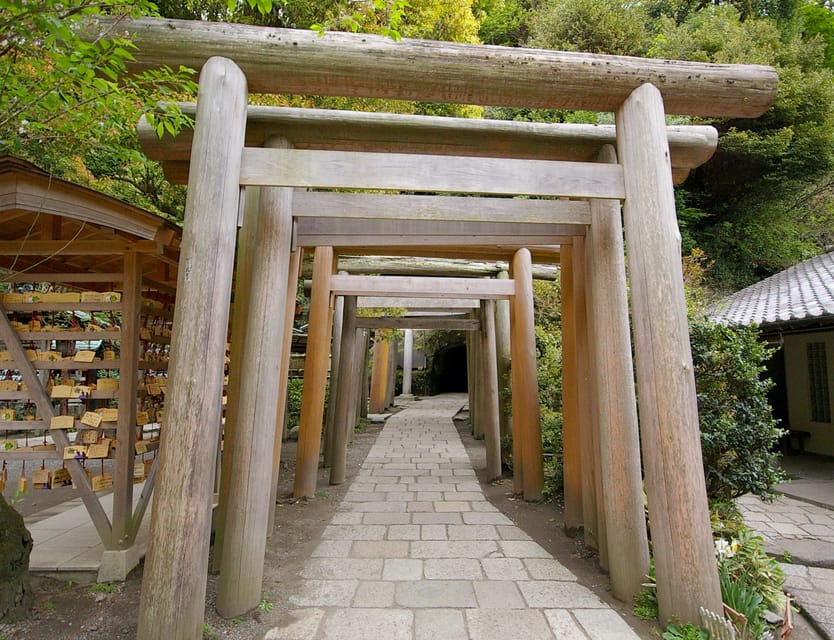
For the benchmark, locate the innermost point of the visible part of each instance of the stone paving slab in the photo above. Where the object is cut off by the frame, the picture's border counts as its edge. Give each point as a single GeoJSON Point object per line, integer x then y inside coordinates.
{"type": "Point", "coordinates": [415, 552]}
{"type": "Point", "coordinates": [804, 532]}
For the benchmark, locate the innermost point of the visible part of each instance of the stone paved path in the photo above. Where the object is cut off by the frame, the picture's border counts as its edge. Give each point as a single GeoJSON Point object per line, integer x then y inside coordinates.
{"type": "Point", "coordinates": [415, 552]}
{"type": "Point", "coordinates": [806, 532]}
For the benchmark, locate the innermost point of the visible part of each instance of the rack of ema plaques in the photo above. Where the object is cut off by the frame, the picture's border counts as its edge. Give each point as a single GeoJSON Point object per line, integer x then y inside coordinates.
{"type": "Point", "coordinates": [67, 383]}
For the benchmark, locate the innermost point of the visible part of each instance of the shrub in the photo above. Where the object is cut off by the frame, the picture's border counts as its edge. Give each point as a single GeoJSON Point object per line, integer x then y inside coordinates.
{"type": "Point", "coordinates": [738, 431]}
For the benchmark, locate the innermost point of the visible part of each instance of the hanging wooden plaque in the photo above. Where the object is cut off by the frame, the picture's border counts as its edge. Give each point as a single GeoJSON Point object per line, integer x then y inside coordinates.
{"type": "Point", "coordinates": [84, 356]}
{"type": "Point", "coordinates": [100, 449]}
{"type": "Point", "coordinates": [61, 391]}
{"type": "Point", "coordinates": [91, 419]}
{"type": "Point", "coordinates": [61, 478]}
{"type": "Point", "coordinates": [74, 451]}
{"type": "Point", "coordinates": [88, 436]}
{"type": "Point", "coordinates": [62, 422]}
{"type": "Point", "coordinates": [104, 481]}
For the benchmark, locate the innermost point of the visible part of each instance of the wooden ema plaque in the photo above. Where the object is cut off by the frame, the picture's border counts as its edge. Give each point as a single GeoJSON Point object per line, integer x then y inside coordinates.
{"type": "Point", "coordinates": [91, 419]}
{"type": "Point", "coordinates": [103, 481]}
{"type": "Point", "coordinates": [74, 452]}
{"type": "Point", "coordinates": [100, 449]}
{"type": "Point", "coordinates": [61, 478]}
{"type": "Point", "coordinates": [62, 422]}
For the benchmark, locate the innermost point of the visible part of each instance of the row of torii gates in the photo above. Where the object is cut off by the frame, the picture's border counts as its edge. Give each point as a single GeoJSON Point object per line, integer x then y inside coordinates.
{"type": "Point", "coordinates": [300, 170]}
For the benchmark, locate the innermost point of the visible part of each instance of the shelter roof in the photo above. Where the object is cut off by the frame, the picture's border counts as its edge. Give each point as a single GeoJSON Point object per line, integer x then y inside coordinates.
{"type": "Point", "coordinates": [801, 293]}
{"type": "Point", "coordinates": [60, 227]}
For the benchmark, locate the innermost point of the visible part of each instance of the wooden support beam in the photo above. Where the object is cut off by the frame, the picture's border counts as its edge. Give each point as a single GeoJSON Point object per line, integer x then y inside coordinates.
{"type": "Point", "coordinates": [380, 206]}
{"type": "Point", "coordinates": [346, 64]}
{"type": "Point", "coordinates": [403, 172]}
{"type": "Point", "coordinates": [379, 374]}
{"type": "Point", "coordinates": [63, 278]}
{"type": "Point", "coordinates": [502, 347]}
{"type": "Point", "coordinates": [335, 356]}
{"type": "Point", "coordinates": [342, 400]}
{"type": "Point", "coordinates": [408, 360]}
{"type": "Point", "coordinates": [315, 374]}
{"type": "Point", "coordinates": [476, 394]}
{"type": "Point", "coordinates": [405, 266]}
{"type": "Point", "coordinates": [75, 247]}
{"type": "Point", "coordinates": [417, 287]}
{"type": "Point", "coordinates": [283, 379]}
{"type": "Point", "coordinates": [328, 129]}
{"type": "Point", "coordinates": [500, 250]}
{"type": "Point", "coordinates": [361, 232]}
{"type": "Point", "coordinates": [237, 365]}
{"type": "Point", "coordinates": [684, 555]}
{"type": "Point", "coordinates": [491, 423]}
{"type": "Point", "coordinates": [392, 372]}
{"type": "Point", "coordinates": [619, 439]}
{"type": "Point", "coordinates": [417, 304]}
{"type": "Point", "coordinates": [592, 525]}
{"type": "Point", "coordinates": [239, 587]}
{"type": "Point", "coordinates": [526, 413]}
{"type": "Point", "coordinates": [572, 455]}
{"type": "Point", "coordinates": [417, 322]}
{"type": "Point", "coordinates": [174, 586]}
{"type": "Point", "coordinates": [123, 537]}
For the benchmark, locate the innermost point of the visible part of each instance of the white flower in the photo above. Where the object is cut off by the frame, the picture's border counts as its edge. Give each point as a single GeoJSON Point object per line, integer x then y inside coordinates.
{"type": "Point", "coordinates": [724, 549]}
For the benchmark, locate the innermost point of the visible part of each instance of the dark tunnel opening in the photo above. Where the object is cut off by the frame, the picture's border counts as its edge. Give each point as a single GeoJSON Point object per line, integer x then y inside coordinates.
{"type": "Point", "coordinates": [448, 370]}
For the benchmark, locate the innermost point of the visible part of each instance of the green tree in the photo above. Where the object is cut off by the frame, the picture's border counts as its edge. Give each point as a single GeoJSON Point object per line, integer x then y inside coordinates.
{"type": "Point", "coordinates": [67, 100]}
{"type": "Point", "coordinates": [592, 26]}
{"type": "Point", "coordinates": [760, 203]}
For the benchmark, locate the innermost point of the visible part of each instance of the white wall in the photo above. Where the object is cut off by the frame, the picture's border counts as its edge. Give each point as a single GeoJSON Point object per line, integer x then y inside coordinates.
{"type": "Point", "coordinates": [798, 387]}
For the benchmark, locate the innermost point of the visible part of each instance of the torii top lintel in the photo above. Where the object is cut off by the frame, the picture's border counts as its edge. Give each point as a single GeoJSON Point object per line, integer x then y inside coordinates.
{"type": "Point", "coordinates": [345, 64]}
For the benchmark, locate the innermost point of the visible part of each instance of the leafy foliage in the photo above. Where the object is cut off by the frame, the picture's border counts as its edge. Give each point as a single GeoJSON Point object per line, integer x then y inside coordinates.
{"type": "Point", "coordinates": [67, 102]}
{"type": "Point", "coordinates": [738, 431]}
{"type": "Point", "coordinates": [594, 26]}
{"type": "Point", "coordinates": [684, 631]}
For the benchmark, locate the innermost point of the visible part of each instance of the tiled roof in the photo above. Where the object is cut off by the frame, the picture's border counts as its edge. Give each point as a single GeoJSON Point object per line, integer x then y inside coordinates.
{"type": "Point", "coordinates": [802, 292]}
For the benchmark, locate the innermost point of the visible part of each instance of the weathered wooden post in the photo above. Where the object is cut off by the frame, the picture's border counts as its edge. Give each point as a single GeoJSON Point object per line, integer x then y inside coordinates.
{"type": "Point", "coordinates": [364, 398]}
{"type": "Point", "coordinates": [526, 416]}
{"type": "Point", "coordinates": [502, 346]}
{"type": "Point", "coordinates": [244, 543]}
{"type": "Point", "coordinates": [391, 383]}
{"type": "Point", "coordinates": [593, 524]}
{"type": "Point", "coordinates": [571, 452]}
{"type": "Point", "coordinates": [619, 439]}
{"type": "Point", "coordinates": [283, 378]}
{"type": "Point", "coordinates": [342, 415]}
{"type": "Point", "coordinates": [379, 373]}
{"type": "Point", "coordinates": [335, 355]}
{"type": "Point", "coordinates": [174, 583]}
{"type": "Point", "coordinates": [123, 536]}
{"type": "Point", "coordinates": [684, 556]}
{"type": "Point", "coordinates": [491, 426]}
{"type": "Point", "coordinates": [315, 375]}
{"type": "Point", "coordinates": [408, 360]}
{"type": "Point", "coordinates": [243, 271]}
{"type": "Point", "coordinates": [476, 395]}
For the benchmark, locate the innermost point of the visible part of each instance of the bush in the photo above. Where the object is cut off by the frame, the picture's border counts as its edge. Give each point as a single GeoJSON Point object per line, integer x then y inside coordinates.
{"type": "Point", "coordinates": [738, 431]}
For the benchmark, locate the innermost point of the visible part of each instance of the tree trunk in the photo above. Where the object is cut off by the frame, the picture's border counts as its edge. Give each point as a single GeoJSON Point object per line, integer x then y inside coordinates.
{"type": "Point", "coordinates": [15, 547]}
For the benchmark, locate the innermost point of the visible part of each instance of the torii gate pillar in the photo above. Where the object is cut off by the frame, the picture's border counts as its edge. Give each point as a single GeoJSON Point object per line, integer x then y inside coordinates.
{"type": "Point", "coordinates": [687, 577]}
{"type": "Point", "coordinates": [174, 584]}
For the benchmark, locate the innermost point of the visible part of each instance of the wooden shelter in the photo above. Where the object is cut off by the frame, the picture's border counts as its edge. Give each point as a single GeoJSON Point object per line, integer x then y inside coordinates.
{"type": "Point", "coordinates": [85, 325]}
{"type": "Point", "coordinates": [570, 207]}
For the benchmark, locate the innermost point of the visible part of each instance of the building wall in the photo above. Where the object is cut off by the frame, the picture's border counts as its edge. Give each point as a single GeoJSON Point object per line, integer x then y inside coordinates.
{"type": "Point", "coordinates": [799, 386]}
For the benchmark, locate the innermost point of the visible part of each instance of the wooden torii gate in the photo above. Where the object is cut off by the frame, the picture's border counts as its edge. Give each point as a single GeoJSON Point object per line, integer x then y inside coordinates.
{"type": "Point", "coordinates": [344, 64]}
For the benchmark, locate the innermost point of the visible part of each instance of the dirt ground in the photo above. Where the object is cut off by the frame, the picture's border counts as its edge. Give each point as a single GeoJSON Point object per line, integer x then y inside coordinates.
{"type": "Point", "coordinates": [67, 610]}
